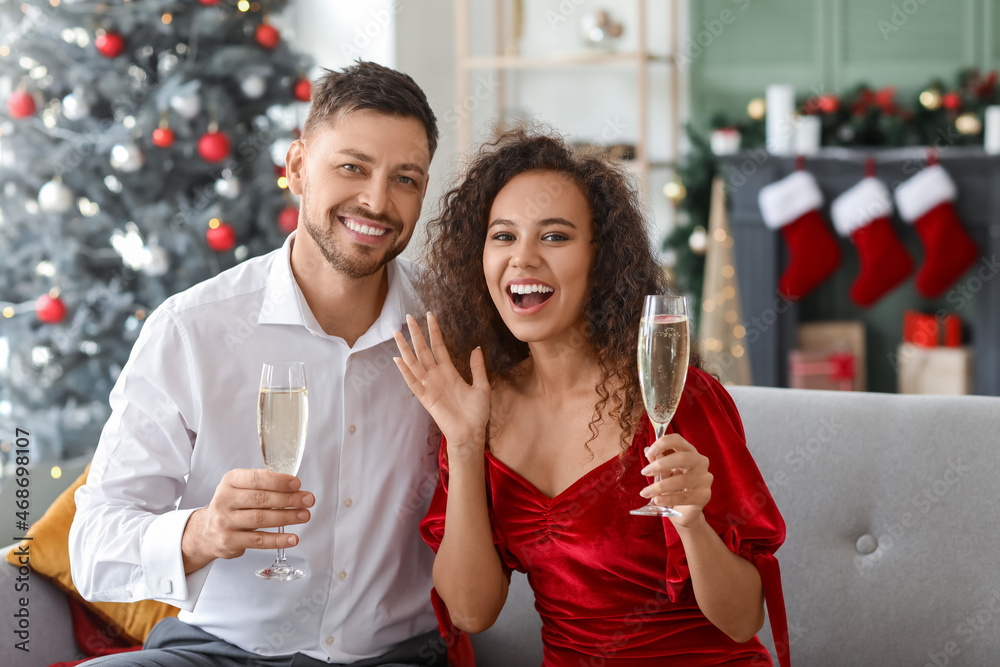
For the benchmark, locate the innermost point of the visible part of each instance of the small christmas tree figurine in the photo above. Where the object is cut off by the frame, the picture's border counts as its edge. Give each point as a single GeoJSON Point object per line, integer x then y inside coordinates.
{"type": "Point", "coordinates": [134, 136]}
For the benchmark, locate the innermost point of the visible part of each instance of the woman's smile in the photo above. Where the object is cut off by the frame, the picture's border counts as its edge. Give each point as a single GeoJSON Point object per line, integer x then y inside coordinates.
{"type": "Point", "coordinates": [528, 296]}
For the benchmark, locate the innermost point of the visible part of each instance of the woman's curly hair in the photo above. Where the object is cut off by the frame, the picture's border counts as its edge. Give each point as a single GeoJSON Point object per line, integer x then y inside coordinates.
{"type": "Point", "coordinates": [624, 269]}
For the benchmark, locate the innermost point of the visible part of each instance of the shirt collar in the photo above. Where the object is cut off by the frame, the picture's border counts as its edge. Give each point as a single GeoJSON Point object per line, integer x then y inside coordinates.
{"type": "Point", "coordinates": [284, 302]}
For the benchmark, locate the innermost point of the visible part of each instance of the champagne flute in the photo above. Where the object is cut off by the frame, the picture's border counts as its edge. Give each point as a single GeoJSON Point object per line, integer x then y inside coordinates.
{"type": "Point", "coordinates": [663, 363]}
{"type": "Point", "coordinates": [282, 420]}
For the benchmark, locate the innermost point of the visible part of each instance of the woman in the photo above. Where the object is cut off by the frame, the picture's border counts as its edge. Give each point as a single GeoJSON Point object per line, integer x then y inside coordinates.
{"type": "Point", "coordinates": [539, 264]}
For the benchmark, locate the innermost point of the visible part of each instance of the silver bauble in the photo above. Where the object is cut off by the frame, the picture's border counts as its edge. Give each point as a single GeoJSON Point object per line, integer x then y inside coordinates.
{"type": "Point", "coordinates": [127, 158]}
{"type": "Point", "coordinates": [54, 197]}
{"type": "Point", "coordinates": [166, 63]}
{"type": "Point", "coordinates": [254, 86]}
{"type": "Point", "coordinates": [279, 150]}
{"type": "Point", "coordinates": [158, 262]}
{"type": "Point", "coordinates": [74, 108]}
{"type": "Point", "coordinates": [228, 187]}
{"type": "Point", "coordinates": [41, 355]}
{"type": "Point", "coordinates": [187, 105]}
{"type": "Point", "coordinates": [284, 118]}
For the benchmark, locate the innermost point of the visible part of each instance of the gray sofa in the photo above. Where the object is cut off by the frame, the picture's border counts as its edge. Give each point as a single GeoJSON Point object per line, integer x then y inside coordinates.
{"type": "Point", "coordinates": [892, 505]}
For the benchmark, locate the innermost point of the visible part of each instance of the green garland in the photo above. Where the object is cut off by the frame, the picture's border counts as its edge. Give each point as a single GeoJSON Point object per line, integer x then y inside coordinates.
{"type": "Point", "coordinates": [863, 117]}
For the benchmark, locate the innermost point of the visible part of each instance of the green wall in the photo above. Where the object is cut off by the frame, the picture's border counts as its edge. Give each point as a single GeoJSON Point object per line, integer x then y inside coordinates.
{"type": "Point", "coordinates": [739, 47]}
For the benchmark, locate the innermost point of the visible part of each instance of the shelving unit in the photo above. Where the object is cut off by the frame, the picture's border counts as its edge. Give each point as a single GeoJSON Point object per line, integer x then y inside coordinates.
{"type": "Point", "coordinates": [506, 60]}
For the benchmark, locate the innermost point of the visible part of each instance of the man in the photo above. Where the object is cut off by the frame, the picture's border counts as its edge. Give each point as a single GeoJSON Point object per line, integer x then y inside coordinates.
{"type": "Point", "coordinates": [177, 497]}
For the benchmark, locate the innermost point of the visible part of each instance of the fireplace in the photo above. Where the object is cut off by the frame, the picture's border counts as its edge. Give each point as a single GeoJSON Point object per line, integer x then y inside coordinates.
{"type": "Point", "coordinates": [760, 256]}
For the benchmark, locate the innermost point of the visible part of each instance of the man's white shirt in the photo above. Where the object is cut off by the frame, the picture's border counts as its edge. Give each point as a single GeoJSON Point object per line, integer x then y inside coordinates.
{"type": "Point", "coordinates": [184, 413]}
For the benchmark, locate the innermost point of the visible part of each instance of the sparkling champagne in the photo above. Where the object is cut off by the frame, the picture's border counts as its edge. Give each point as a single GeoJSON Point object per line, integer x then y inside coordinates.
{"type": "Point", "coordinates": [663, 362]}
{"type": "Point", "coordinates": [282, 420]}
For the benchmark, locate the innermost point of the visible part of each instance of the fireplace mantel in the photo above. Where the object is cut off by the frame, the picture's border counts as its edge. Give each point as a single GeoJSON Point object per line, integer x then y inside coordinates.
{"type": "Point", "coordinates": [761, 256]}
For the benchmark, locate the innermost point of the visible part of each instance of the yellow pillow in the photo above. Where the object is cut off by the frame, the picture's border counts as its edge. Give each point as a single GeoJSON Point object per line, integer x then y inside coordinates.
{"type": "Point", "coordinates": [49, 556]}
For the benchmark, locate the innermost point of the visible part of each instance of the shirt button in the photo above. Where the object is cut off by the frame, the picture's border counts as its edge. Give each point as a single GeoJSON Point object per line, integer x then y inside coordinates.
{"type": "Point", "coordinates": [329, 640]}
{"type": "Point", "coordinates": [348, 502]}
{"type": "Point", "coordinates": [342, 575]}
{"type": "Point", "coordinates": [352, 428]}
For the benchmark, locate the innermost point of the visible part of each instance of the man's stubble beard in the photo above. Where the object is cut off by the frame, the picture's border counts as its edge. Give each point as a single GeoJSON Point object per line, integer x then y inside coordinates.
{"type": "Point", "coordinates": [353, 268]}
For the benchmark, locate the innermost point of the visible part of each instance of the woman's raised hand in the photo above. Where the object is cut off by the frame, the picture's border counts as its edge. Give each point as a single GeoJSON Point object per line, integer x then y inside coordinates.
{"type": "Point", "coordinates": [685, 482]}
{"type": "Point", "coordinates": [460, 410]}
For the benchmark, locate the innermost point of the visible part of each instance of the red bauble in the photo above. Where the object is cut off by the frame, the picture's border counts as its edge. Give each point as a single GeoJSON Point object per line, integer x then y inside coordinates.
{"type": "Point", "coordinates": [268, 36]}
{"type": "Point", "coordinates": [20, 104]}
{"type": "Point", "coordinates": [110, 45]}
{"type": "Point", "coordinates": [50, 310]}
{"type": "Point", "coordinates": [213, 146]}
{"type": "Point", "coordinates": [829, 104]}
{"type": "Point", "coordinates": [288, 219]}
{"type": "Point", "coordinates": [210, 2]}
{"type": "Point", "coordinates": [951, 101]}
{"type": "Point", "coordinates": [221, 238]}
{"type": "Point", "coordinates": [303, 90]}
{"type": "Point", "coordinates": [163, 137]}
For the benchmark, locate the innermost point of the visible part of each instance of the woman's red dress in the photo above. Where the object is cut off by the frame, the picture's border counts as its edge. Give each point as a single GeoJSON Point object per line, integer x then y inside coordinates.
{"type": "Point", "coordinates": [613, 588]}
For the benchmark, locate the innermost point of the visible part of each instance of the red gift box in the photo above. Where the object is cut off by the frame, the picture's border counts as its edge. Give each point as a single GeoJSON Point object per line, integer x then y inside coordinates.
{"type": "Point", "coordinates": [821, 370]}
{"type": "Point", "coordinates": [930, 331]}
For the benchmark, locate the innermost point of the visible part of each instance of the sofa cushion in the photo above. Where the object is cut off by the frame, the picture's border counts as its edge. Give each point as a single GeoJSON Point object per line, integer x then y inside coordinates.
{"type": "Point", "coordinates": [49, 556]}
{"type": "Point", "coordinates": [892, 513]}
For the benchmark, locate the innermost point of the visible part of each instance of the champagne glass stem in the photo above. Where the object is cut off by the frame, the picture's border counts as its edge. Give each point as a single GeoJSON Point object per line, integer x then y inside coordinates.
{"type": "Point", "coordinates": [281, 550]}
{"type": "Point", "coordinates": [659, 430]}
{"type": "Point", "coordinates": [651, 508]}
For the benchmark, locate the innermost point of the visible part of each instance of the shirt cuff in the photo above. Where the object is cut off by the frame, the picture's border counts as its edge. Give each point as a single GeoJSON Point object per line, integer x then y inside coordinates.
{"type": "Point", "coordinates": [163, 562]}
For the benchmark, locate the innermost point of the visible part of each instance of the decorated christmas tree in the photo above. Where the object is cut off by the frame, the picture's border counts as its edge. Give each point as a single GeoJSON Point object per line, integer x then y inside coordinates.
{"type": "Point", "coordinates": [142, 148]}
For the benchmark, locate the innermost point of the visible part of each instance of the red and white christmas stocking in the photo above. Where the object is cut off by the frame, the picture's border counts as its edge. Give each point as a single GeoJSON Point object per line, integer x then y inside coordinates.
{"type": "Point", "coordinates": [792, 205]}
{"type": "Point", "coordinates": [862, 214]}
{"type": "Point", "coordinates": [925, 201]}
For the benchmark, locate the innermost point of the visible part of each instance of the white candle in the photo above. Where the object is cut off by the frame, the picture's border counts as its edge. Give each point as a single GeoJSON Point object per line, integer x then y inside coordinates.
{"type": "Point", "coordinates": [808, 135]}
{"type": "Point", "coordinates": [991, 136]}
{"type": "Point", "coordinates": [779, 122]}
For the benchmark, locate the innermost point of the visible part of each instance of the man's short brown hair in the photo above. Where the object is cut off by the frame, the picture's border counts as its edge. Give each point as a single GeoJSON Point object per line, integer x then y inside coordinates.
{"type": "Point", "coordinates": [368, 85]}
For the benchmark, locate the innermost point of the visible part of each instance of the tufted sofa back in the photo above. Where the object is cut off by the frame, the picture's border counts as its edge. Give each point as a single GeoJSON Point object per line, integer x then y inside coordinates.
{"type": "Point", "coordinates": [892, 505]}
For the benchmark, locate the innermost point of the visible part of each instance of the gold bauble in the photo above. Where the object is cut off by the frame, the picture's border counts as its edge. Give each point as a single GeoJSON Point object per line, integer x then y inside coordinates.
{"type": "Point", "coordinates": [757, 108]}
{"type": "Point", "coordinates": [674, 191]}
{"type": "Point", "coordinates": [969, 123]}
{"type": "Point", "coordinates": [930, 99]}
